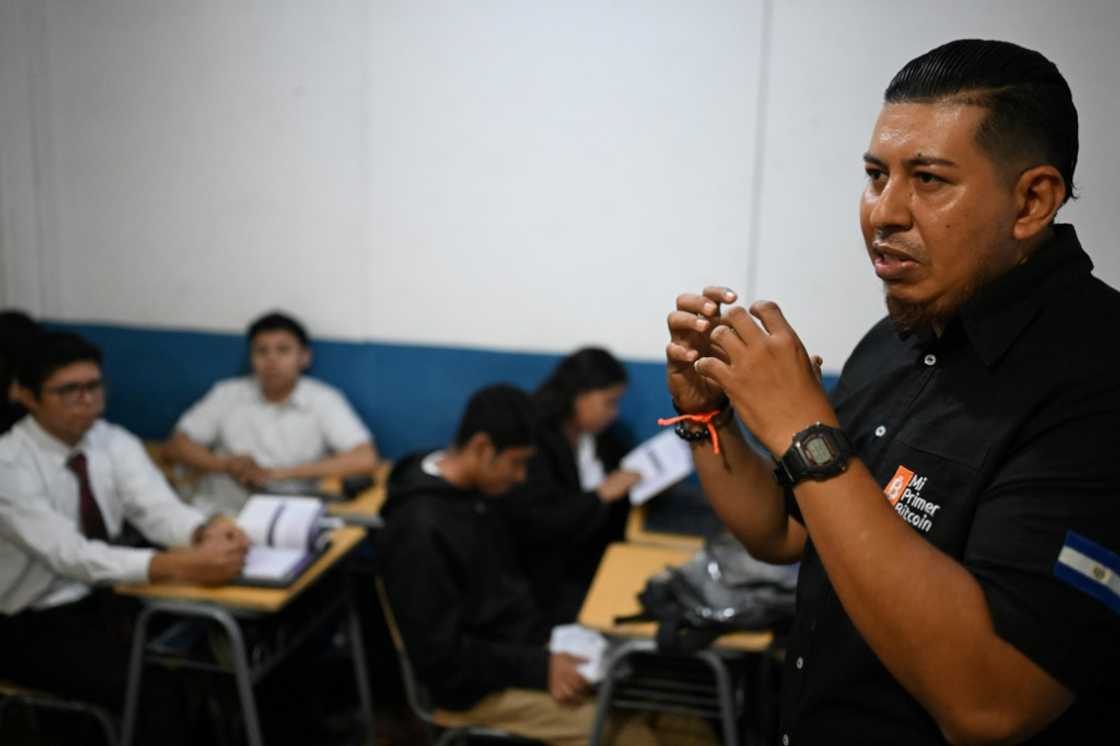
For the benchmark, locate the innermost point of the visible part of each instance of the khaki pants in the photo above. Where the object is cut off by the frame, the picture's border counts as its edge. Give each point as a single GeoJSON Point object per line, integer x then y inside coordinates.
{"type": "Point", "coordinates": [535, 714]}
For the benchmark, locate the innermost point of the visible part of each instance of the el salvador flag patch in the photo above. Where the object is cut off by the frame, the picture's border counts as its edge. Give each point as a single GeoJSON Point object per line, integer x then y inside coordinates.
{"type": "Point", "coordinates": [1091, 568]}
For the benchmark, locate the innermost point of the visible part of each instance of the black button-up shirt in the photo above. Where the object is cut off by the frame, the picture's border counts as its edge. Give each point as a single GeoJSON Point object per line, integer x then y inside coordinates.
{"type": "Point", "coordinates": [991, 441]}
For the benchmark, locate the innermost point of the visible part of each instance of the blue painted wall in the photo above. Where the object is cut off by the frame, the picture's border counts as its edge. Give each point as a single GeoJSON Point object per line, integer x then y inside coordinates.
{"type": "Point", "coordinates": [410, 396]}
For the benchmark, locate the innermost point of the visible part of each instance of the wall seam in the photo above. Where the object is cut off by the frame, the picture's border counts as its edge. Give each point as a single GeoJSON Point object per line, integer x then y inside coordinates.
{"type": "Point", "coordinates": [751, 280]}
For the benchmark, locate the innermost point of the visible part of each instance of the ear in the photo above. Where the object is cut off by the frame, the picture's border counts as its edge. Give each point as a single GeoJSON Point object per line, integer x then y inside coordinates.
{"type": "Point", "coordinates": [304, 358]}
{"type": "Point", "coordinates": [479, 446]}
{"type": "Point", "coordinates": [1039, 192]}
{"type": "Point", "coordinates": [21, 395]}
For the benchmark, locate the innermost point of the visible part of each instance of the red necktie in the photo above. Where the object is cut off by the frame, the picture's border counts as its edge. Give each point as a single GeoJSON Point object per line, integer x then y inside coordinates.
{"type": "Point", "coordinates": [93, 524]}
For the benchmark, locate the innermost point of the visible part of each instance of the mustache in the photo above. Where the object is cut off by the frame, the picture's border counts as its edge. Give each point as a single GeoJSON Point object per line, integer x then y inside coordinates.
{"type": "Point", "coordinates": [887, 238]}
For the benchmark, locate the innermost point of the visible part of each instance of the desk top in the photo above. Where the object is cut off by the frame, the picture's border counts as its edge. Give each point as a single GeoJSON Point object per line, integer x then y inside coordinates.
{"type": "Point", "coordinates": [636, 532]}
{"type": "Point", "coordinates": [622, 575]}
{"type": "Point", "coordinates": [249, 597]}
{"type": "Point", "coordinates": [367, 503]}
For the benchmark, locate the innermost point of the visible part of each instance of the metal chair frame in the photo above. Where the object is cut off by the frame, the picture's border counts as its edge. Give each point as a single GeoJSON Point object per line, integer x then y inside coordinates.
{"type": "Point", "coordinates": [11, 693]}
{"type": "Point", "coordinates": [667, 696]}
{"type": "Point", "coordinates": [417, 696]}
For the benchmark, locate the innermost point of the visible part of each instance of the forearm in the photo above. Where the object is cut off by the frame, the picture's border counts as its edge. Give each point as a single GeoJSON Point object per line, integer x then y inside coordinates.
{"type": "Point", "coordinates": [923, 614]}
{"type": "Point", "coordinates": [740, 485]}
{"type": "Point", "coordinates": [195, 455]}
{"type": "Point", "coordinates": [168, 567]}
{"type": "Point", "coordinates": [359, 460]}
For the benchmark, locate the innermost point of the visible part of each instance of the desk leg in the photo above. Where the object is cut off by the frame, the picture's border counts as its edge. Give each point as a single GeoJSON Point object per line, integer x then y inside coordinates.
{"type": "Point", "coordinates": [726, 698]}
{"type": "Point", "coordinates": [606, 689]}
{"type": "Point", "coordinates": [242, 673]}
{"type": "Point", "coordinates": [135, 671]}
{"type": "Point", "coordinates": [358, 654]}
{"type": "Point", "coordinates": [241, 670]}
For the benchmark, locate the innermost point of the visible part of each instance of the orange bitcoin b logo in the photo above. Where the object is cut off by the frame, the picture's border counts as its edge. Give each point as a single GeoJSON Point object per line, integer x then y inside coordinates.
{"type": "Point", "coordinates": [898, 484]}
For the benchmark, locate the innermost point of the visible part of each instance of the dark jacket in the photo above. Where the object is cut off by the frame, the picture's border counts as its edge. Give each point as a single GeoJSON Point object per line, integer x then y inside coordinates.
{"type": "Point", "coordinates": [579, 524]}
{"type": "Point", "coordinates": [464, 606]}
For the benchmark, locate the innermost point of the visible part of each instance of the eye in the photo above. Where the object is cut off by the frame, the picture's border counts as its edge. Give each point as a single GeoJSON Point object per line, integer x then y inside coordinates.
{"type": "Point", "coordinates": [873, 174]}
{"type": "Point", "coordinates": [925, 177]}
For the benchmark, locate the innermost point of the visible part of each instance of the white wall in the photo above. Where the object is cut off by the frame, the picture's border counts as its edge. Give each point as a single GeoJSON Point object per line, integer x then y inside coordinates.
{"type": "Point", "coordinates": [830, 64]}
{"type": "Point", "coordinates": [519, 175]}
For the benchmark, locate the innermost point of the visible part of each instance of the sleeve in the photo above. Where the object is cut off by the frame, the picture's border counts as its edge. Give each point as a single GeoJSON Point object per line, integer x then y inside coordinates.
{"type": "Point", "coordinates": [1062, 479]}
{"type": "Point", "coordinates": [150, 503]}
{"type": "Point", "coordinates": [202, 422]}
{"type": "Point", "coordinates": [342, 428]}
{"type": "Point", "coordinates": [428, 600]}
{"type": "Point", "coordinates": [549, 509]}
{"type": "Point", "coordinates": [29, 522]}
{"type": "Point", "coordinates": [547, 513]}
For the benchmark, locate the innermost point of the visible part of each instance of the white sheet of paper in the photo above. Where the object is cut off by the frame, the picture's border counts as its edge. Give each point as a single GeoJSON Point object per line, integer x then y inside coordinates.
{"type": "Point", "coordinates": [580, 641]}
{"type": "Point", "coordinates": [662, 460]}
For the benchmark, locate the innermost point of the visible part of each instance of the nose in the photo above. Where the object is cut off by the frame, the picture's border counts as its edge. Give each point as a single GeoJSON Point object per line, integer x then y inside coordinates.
{"type": "Point", "coordinates": [890, 207]}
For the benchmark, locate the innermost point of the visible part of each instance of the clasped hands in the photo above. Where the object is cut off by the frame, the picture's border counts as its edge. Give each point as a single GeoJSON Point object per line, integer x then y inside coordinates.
{"type": "Point", "coordinates": [755, 358]}
{"type": "Point", "coordinates": [244, 469]}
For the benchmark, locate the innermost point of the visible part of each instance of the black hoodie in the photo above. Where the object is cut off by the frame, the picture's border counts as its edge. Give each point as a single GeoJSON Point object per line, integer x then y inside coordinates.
{"type": "Point", "coordinates": [465, 608]}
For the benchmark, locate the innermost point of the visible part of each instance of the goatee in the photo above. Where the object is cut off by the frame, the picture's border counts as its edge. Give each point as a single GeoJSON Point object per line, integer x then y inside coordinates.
{"type": "Point", "coordinates": [910, 317]}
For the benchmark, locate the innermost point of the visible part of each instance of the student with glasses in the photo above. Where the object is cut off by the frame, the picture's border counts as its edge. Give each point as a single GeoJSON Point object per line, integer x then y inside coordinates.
{"type": "Point", "coordinates": [68, 482]}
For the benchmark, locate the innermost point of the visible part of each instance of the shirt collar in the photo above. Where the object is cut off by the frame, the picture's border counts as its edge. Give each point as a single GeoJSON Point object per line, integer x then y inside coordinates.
{"type": "Point", "coordinates": [50, 444]}
{"type": "Point", "coordinates": [298, 397]}
{"type": "Point", "coordinates": [995, 317]}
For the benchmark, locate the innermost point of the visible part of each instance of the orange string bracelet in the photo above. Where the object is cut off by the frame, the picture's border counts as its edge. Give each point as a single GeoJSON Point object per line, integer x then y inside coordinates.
{"type": "Point", "coordinates": [705, 418]}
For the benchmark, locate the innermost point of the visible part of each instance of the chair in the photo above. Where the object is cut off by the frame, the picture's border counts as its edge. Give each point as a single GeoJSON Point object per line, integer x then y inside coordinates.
{"type": "Point", "coordinates": [417, 696]}
{"type": "Point", "coordinates": [33, 699]}
{"type": "Point", "coordinates": [701, 684]}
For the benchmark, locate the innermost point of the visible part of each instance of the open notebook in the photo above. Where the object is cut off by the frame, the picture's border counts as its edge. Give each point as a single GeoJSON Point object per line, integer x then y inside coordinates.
{"type": "Point", "coordinates": [286, 534]}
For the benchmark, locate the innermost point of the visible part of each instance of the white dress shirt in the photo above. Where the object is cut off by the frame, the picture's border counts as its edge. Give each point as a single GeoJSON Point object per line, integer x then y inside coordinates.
{"type": "Point", "coordinates": [591, 471]}
{"type": "Point", "coordinates": [235, 418]}
{"type": "Point", "coordinates": [44, 558]}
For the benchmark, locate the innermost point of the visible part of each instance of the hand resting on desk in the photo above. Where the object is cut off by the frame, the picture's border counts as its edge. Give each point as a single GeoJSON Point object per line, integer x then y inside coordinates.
{"type": "Point", "coordinates": [213, 562]}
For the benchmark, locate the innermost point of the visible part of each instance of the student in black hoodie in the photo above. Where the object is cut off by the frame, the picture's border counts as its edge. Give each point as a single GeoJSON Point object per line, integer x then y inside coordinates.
{"type": "Point", "coordinates": [469, 617]}
{"type": "Point", "coordinates": [465, 608]}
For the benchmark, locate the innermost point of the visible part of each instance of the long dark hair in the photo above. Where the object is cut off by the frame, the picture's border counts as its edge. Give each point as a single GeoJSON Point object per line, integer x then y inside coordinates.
{"type": "Point", "coordinates": [587, 369]}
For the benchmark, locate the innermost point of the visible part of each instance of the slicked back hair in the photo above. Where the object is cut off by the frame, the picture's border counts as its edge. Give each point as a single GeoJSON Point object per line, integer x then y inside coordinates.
{"type": "Point", "coordinates": [503, 412]}
{"type": "Point", "coordinates": [1030, 108]}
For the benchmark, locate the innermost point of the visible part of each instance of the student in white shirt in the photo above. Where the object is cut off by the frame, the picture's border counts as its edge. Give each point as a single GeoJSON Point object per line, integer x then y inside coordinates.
{"type": "Point", "coordinates": [276, 427]}
{"type": "Point", "coordinates": [68, 481]}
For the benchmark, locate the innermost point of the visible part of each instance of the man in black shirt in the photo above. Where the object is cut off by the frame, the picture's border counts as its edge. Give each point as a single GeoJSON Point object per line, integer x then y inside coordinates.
{"type": "Point", "coordinates": [954, 505]}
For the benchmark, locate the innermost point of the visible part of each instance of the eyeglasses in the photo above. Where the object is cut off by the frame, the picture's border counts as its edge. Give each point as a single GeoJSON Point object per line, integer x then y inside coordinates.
{"type": "Point", "coordinates": [71, 393]}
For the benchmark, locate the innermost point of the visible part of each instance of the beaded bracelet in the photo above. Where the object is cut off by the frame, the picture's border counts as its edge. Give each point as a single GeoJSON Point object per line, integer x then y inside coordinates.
{"type": "Point", "coordinates": [708, 419]}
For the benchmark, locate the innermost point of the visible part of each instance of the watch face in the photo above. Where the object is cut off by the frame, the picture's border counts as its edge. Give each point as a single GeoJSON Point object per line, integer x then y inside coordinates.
{"type": "Point", "coordinates": [818, 450]}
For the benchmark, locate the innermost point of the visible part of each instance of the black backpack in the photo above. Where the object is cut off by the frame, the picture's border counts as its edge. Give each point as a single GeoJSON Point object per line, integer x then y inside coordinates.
{"type": "Point", "coordinates": [721, 589]}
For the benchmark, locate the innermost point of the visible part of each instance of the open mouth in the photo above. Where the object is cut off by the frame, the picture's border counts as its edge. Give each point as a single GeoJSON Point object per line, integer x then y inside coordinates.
{"type": "Point", "coordinates": [891, 266]}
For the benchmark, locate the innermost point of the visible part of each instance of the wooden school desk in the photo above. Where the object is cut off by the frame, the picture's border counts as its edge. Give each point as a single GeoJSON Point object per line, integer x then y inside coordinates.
{"type": "Point", "coordinates": [226, 605]}
{"type": "Point", "coordinates": [365, 508]}
{"type": "Point", "coordinates": [621, 576]}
